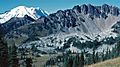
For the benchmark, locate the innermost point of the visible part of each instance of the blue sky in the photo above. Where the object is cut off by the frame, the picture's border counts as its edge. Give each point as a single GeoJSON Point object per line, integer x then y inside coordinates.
{"type": "Point", "coordinates": [52, 5]}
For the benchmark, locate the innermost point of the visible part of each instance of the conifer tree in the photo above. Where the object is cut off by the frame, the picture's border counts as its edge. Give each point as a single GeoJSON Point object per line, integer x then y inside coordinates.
{"type": "Point", "coordinates": [93, 56]}
{"type": "Point", "coordinates": [82, 60]}
{"type": "Point", "coordinates": [110, 55]}
{"type": "Point", "coordinates": [3, 49]}
{"type": "Point", "coordinates": [14, 55]}
{"type": "Point", "coordinates": [28, 62]}
{"type": "Point", "coordinates": [107, 54]}
{"type": "Point", "coordinates": [77, 61]}
{"type": "Point", "coordinates": [3, 53]}
{"type": "Point", "coordinates": [118, 48]}
{"type": "Point", "coordinates": [103, 57]}
{"type": "Point", "coordinates": [97, 57]}
{"type": "Point", "coordinates": [13, 60]}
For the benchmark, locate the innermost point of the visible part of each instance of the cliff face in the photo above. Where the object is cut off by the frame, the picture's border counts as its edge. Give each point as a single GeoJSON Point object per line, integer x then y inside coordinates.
{"type": "Point", "coordinates": [86, 19]}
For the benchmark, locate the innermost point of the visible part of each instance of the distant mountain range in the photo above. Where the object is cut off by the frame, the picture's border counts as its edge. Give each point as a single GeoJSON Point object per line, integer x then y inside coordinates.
{"type": "Point", "coordinates": [81, 27]}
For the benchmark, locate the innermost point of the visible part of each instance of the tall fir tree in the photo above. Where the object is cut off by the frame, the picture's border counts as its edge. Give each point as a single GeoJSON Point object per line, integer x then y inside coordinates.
{"type": "Point", "coordinates": [82, 60]}
{"type": "Point", "coordinates": [14, 55]}
{"type": "Point", "coordinates": [3, 53]}
{"type": "Point", "coordinates": [76, 61]}
{"type": "Point", "coordinates": [28, 62]}
{"type": "Point", "coordinates": [118, 48]}
{"type": "Point", "coordinates": [103, 56]}
{"type": "Point", "coordinates": [97, 57]}
{"type": "Point", "coordinates": [3, 49]}
{"type": "Point", "coordinates": [93, 56]}
{"type": "Point", "coordinates": [13, 60]}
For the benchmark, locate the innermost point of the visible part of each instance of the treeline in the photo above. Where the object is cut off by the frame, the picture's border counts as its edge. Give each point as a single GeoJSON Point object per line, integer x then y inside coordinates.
{"type": "Point", "coordinates": [70, 59]}
{"type": "Point", "coordinates": [92, 58]}
{"type": "Point", "coordinates": [75, 41]}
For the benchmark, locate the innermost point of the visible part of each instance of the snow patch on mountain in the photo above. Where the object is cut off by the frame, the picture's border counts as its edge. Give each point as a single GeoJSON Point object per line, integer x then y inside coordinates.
{"type": "Point", "coordinates": [21, 11]}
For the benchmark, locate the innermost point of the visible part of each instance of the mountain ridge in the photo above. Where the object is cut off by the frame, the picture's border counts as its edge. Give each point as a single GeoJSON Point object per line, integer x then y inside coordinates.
{"type": "Point", "coordinates": [81, 25]}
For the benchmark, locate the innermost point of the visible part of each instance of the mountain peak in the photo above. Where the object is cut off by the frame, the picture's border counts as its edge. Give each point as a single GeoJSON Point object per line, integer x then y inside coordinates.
{"type": "Point", "coordinates": [20, 7]}
{"type": "Point", "coordinates": [21, 11]}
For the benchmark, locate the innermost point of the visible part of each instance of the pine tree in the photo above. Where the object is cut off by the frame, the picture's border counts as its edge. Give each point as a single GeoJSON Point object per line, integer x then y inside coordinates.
{"type": "Point", "coordinates": [93, 56]}
{"type": "Point", "coordinates": [97, 57]}
{"type": "Point", "coordinates": [3, 49]}
{"type": "Point", "coordinates": [82, 60]}
{"type": "Point", "coordinates": [28, 62]}
{"type": "Point", "coordinates": [3, 53]}
{"type": "Point", "coordinates": [68, 60]}
{"type": "Point", "coordinates": [118, 48]}
{"type": "Point", "coordinates": [76, 61]}
{"type": "Point", "coordinates": [14, 55]}
{"type": "Point", "coordinates": [65, 59]}
{"type": "Point", "coordinates": [113, 52]}
{"type": "Point", "coordinates": [103, 57]}
{"type": "Point", "coordinates": [13, 60]}
{"type": "Point", "coordinates": [107, 54]}
{"type": "Point", "coordinates": [110, 55]}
